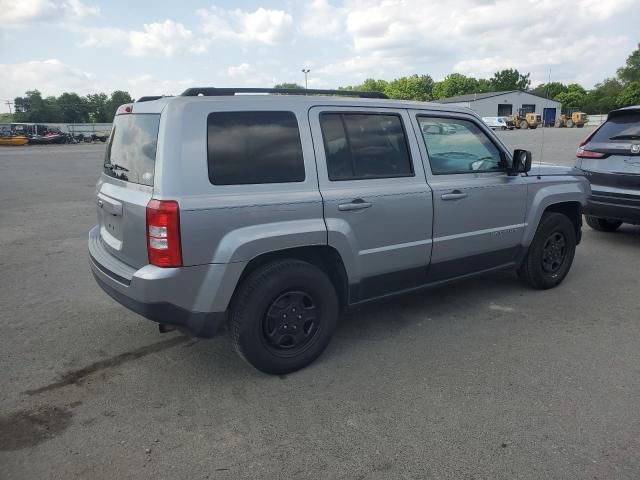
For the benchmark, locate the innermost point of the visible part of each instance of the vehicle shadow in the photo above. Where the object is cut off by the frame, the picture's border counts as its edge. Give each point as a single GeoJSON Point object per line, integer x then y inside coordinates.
{"type": "Point", "coordinates": [377, 321]}
{"type": "Point", "coordinates": [625, 235]}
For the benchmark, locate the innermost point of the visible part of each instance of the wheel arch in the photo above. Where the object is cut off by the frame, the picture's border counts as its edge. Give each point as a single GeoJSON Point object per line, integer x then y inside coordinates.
{"type": "Point", "coordinates": [571, 209]}
{"type": "Point", "coordinates": [325, 257]}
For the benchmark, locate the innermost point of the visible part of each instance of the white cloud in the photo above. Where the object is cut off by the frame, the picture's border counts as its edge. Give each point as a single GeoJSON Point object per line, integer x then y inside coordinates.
{"type": "Point", "coordinates": [322, 19]}
{"type": "Point", "coordinates": [147, 84]}
{"type": "Point", "coordinates": [101, 37]}
{"type": "Point", "coordinates": [161, 39]}
{"type": "Point", "coordinates": [241, 70]}
{"type": "Point", "coordinates": [262, 25]}
{"type": "Point", "coordinates": [478, 37]}
{"type": "Point", "coordinates": [24, 12]}
{"type": "Point", "coordinates": [51, 77]}
{"type": "Point", "coordinates": [164, 39]}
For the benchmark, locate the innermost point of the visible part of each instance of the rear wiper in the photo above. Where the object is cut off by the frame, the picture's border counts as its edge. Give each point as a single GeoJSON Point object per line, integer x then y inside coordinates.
{"type": "Point", "coordinates": [625, 137]}
{"type": "Point", "coordinates": [115, 166]}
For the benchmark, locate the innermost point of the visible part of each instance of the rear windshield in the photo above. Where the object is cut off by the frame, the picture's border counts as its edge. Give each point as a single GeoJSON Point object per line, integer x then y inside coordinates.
{"type": "Point", "coordinates": [131, 154]}
{"type": "Point", "coordinates": [621, 128]}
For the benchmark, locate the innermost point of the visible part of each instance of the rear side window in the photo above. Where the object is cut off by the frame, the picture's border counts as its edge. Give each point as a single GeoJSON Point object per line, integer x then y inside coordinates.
{"type": "Point", "coordinates": [254, 147]}
{"type": "Point", "coordinates": [362, 146]}
{"type": "Point", "coordinates": [620, 128]}
{"type": "Point", "coordinates": [131, 153]}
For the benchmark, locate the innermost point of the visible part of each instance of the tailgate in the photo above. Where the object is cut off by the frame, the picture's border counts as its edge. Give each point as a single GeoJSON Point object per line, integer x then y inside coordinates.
{"type": "Point", "coordinates": [126, 186]}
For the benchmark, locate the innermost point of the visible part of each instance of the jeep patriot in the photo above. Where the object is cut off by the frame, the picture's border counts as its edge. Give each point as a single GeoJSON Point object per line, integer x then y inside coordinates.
{"type": "Point", "coordinates": [273, 210]}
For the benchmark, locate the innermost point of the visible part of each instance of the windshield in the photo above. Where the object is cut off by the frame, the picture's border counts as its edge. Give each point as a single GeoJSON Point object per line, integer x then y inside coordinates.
{"type": "Point", "coordinates": [619, 128]}
{"type": "Point", "coordinates": [131, 153]}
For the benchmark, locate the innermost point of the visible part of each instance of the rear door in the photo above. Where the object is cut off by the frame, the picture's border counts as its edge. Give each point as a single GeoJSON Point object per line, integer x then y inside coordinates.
{"type": "Point", "coordinates": [126, 186]}
{"type": "Point", "coordinates": [479, 210]}
{"type": "Point", "coordinates": [378, 206]}
{"type": "Point", "coordinates": [618, 141]}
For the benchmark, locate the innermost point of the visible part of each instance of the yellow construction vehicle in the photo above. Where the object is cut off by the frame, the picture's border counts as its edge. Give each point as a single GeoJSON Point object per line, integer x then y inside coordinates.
{"type": "Point", "coordinates": [577, 119]}
{"type": "Point", "coordinates": [526, 120]}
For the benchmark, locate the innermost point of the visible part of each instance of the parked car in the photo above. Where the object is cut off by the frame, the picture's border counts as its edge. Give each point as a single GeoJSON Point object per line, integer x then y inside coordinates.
{"type": "Point", "coordinates": [501, 123]}
{"type": "Point", "coordinates": [610, 159]}
{"type": "Point", "coordinates": [273, 213]}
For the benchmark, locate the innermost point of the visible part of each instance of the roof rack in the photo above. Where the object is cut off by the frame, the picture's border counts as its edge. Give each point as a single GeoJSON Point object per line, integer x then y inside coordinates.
{"type": "Point", "coordinates": [221, 92]}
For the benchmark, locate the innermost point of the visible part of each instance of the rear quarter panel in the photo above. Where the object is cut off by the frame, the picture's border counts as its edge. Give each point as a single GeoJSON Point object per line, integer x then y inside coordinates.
{"type": "Point", "coordinates": [234, 223]}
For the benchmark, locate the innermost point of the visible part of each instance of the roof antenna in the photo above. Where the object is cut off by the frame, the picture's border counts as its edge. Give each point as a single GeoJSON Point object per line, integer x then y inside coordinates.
{"type": "Point", "coordinates": [544, 127]}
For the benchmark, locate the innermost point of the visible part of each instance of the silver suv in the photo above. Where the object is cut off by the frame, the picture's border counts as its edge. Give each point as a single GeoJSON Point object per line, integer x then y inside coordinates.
{"type": "Point", "coordinates": [274, 212]}
{"type": "Point", "coordinates": [610, 159]}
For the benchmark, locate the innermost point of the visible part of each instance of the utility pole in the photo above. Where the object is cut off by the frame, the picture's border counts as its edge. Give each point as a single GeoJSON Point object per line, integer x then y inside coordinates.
{"type": "Point", "coordinates": [9, 103]}
{"type": "Point", "coordinates": [306, 72]}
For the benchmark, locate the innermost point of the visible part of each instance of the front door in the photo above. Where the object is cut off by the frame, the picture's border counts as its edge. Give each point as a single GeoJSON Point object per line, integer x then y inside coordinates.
{"type": "Point", "coordinates": [479, 210]}
{"type": "Point", "coordinates": [377, 204]}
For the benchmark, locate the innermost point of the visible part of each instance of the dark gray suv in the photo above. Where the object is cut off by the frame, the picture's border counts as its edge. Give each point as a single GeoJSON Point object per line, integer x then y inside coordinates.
{"type": "Point", "coordinates": [610, 159]}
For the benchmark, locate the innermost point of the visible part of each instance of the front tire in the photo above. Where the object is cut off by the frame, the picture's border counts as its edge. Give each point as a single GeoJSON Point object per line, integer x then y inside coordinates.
{"type": "Point", "coordinates": [603, 224]}
{"type": "Point", "coordinates": [551, 252]}
{"type": "Point", "coordinates": [283, 316]}
{"type": "Point", "coordinates": [524, 124]}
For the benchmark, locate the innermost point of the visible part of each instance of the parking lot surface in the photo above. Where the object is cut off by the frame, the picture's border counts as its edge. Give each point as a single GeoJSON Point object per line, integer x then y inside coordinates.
{"type": "Point", "coordinates": [485, 379]}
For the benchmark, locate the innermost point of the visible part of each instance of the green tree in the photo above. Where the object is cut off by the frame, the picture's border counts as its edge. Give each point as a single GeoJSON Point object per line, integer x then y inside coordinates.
{"type": "Point", "coordinates": [455, 84]}
{"type": "Point", "coordinates": [119, 97]}
{"type": "Point", "coordinates": [415, 87]}
{"type": "Point", "coordinates": [631, 71]}
{"type": "Point", "coordinates": [603, 97]}
{"type": "Point", "coordinates": [33, 108]}
{"type": "Point", "coordinates": [630, 95]}
{"type": "Point", "coordinates": [550, 90]}
{"type": "Point", "coordinates": [6, 118]}
{"type": "Point", "coordinates": [289, 85]}
{"type": "Point", "coordinates": [73, 108]}
{"type": "Point", "coordinates": [510, 79]}
{"type": "Point", "coordinates": [98, 108]}
{"type": "Point", "coordinates": [369, 85]}
{"type": "Point", "coordinates": [372, 85]}
{"type": "Point", "coordinates": [484, 85]}
{"type": "Point", "coordinates": [53, 112]}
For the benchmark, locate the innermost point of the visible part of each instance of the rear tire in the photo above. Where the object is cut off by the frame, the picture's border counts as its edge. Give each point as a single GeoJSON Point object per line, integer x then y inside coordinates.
{"type": "Point", "coordinates": [283, 316]}
{"type": "Point", "coordinates": [603, 224]}
{"type": "Point", "coordinates": [551, 252]}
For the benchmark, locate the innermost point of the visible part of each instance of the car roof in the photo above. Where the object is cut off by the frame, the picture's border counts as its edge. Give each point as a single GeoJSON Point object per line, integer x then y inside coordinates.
{"type": "Point", "coordinates": [278, 101]}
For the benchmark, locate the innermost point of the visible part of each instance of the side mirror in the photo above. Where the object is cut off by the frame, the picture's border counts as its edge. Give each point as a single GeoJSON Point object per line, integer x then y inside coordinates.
{"type": "Point", "coordinates": [521, 161]}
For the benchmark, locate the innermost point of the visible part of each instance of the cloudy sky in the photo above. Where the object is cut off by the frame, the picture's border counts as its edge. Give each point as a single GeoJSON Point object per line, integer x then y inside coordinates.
{"type": "Point", "coordinates": [153, 47]}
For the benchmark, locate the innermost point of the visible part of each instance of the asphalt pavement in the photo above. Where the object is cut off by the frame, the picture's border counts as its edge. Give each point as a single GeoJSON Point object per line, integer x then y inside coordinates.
{"type": "Point", "coordinates": [485, 379]}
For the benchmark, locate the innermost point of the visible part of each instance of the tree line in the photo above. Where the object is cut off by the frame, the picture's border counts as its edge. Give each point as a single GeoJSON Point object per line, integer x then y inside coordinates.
{"type": "Point", "coordinates": [68, 107]}
{"type": "Point", "coordinates": [620, 91]}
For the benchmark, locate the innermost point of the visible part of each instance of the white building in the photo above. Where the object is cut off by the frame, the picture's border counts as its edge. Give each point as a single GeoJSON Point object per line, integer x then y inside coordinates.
{"type": "Point", "coordinates": [502, 104]}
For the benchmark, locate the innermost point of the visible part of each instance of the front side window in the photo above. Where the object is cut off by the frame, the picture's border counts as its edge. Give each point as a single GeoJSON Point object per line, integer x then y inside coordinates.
{"type": "Point", "coordinates": [254, 147]}
{"type": "Point", "coordinates": [458, 146]}
{"type": "Point", "coordinates": [364, 146]}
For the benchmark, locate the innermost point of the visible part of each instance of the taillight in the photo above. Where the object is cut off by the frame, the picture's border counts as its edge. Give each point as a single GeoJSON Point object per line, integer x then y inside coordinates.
{"type": "Point", "coordinates": [582, 153]}
{"type": "Point", "coordinates": [588, 139]}
{"type": "Point", "coordinates": [126, 108]}
{"type": "Point", "coordinates": [163, 233]}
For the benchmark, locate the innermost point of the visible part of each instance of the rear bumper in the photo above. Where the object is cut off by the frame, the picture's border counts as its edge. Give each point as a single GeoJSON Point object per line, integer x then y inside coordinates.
{"type": "Point", "coordinates": [184, 297]}
{"type": "Point", "coordinates": [625, 208]}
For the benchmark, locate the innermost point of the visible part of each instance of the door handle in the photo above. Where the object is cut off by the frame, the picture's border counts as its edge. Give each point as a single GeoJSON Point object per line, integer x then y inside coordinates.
{"type": "Point", "coordinates": [357, 204]}
{"type": "Point", "coordinates": [455, 195]}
